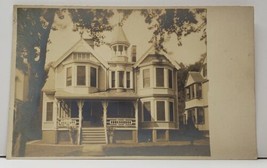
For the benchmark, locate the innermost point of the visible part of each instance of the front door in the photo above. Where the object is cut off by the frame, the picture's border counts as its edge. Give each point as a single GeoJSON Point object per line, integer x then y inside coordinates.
{"type": "Point", "coordinates": [92, 114]}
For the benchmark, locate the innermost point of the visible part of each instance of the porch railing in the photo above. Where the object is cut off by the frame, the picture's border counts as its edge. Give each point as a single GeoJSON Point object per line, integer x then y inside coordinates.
{"type": "Point", "coordinates": [121, 122]}
{"type": "Point", "coordinates": [68, 122]}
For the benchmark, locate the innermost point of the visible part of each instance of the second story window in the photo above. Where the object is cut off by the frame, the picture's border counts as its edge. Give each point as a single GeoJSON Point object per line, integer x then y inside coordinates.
{"type": "Point", "coordinates": [93, 77]}
{"type": "Point", "coordinates": [69, 76]}
{"type": "Point", "coordinates": [146, 78]}
{"type": "Point", "coordinates": [170, 78]}
{"type": "Point", "coordinates": [194, 91]}
{"type": "Point", "coordinates": [113, 79]}
{"type": "Point", "coordinates": [128, 80]}
{"type": "Point", "coordinates": [81, 75]}
{"type": "Point", "coordinates": [160, 77]}
{"type": "Point", "coordinates": [121, 78]}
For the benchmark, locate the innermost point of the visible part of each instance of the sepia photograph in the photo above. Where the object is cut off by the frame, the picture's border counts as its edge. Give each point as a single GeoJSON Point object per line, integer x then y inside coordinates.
{"type": "Point", "coordinates": [132, 83]}
{"type": "Point", "coordinates": [103, 82]}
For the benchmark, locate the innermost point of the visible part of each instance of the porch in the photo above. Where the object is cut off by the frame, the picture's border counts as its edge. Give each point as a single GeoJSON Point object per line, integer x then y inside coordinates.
{"type": "Point", "coordinates": [96, 121]}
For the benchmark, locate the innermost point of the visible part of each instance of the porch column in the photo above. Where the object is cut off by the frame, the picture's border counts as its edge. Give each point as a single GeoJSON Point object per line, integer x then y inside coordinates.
{"type": "Point", "coordinates": [136, 119]}
{"type": "Point", "coordinates": [80, 104]}
{"type": "Point", "coordinates": [105, 107]}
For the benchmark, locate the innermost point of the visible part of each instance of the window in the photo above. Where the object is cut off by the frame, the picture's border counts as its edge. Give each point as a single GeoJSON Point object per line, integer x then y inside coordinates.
{"type": "Point", "coordinates": [171, 111]}
{"type": "Point", "coordinates": [147, 111]}
{"type": "Point", "coordinates": [160, 77]}
{"type": "Point", "coordinates": [200, 116]}
{"type": "Point", "coordinates": [128, 80]}
{"type": "Point", "coordinates": [49, 111]}
{"type": "Point", "coordinates": [170, 78]}
{"type": "Point", "coordinates": [146, 78]}
{"type": "Point", "coordinates": [187, 93]}
{"type": "Point", "coordinates": [80, 75]}
{"type": "Point", "coordinates": [120, 48]}
{"type": "Point", "coordinates": [112, 79]}
{"type": "Point", "coordinates": [93, 77]}
{"type": "Point", "coordinates": [199, 90]}
{"type": "Point", "coordinates": [121, 78]}
{"type": "Point", "coordinates": [194, 91]}
{"type": "Point", "coordinates": [160, 111]}
{"type": "Point", "coordinates": [69, 76]}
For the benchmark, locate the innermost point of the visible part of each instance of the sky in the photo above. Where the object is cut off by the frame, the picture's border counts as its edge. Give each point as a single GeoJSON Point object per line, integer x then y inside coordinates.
{"type": "Point", "coordinates": [137, 33]}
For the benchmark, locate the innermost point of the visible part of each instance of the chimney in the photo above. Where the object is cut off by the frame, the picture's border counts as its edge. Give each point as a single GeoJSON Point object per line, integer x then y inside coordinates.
{"type": "Point", "coordinates": [133, 53]}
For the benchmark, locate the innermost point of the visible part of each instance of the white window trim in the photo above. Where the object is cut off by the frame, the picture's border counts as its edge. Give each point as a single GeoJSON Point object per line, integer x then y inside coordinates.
{"type": "Point", "coordinates": [65, 75]}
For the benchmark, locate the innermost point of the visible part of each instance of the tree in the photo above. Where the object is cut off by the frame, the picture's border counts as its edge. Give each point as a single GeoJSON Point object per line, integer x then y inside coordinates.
{"type": "Point", "coordinates": [33, 29]}
{"type": "Point", "coordinates": [165, 22]}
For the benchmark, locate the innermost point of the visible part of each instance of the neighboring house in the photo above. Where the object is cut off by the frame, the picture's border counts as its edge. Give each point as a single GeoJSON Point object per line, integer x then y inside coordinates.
{"type": "Point", "coordinates": [21, 91]}
{"type": "Point", "coordinates": [196, 105]}
{"type": "Point", "coordinates": [91, 99]}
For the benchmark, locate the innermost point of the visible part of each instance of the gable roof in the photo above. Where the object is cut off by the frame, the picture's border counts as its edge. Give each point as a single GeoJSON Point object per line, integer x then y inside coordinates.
{"type": "Point", "coordinates": [193, 77]}
{"type": "Point", "coordinates": [151, 50]}
{"type": "Point", "coordinates": [81, 46]}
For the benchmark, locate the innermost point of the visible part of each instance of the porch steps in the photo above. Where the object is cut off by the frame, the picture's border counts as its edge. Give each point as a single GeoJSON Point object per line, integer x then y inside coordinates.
{"type": "Point", "coordinates": [93, 135]}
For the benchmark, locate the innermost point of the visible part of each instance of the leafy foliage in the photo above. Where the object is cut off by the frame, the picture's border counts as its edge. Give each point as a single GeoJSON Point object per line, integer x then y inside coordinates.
{"type": "Point", "coordinates": [164, 22]}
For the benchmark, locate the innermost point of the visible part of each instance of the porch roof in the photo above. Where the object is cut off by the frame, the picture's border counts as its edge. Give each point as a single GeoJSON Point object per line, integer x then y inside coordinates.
{"type": "Point", "coordinates": [113, 95]}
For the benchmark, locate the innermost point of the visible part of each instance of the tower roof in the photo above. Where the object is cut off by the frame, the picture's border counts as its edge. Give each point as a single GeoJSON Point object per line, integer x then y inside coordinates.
{"type": "Point", "coordinates": [119, 36]}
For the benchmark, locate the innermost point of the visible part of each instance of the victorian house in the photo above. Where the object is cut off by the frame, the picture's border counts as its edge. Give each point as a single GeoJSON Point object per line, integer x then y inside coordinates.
{"type": "Point", "coordinates": [196, 105]}
{"type": "Point", "coordinates": [128, 99]}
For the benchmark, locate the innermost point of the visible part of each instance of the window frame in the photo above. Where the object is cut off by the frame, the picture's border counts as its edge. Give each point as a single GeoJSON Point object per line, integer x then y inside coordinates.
{"type": "Point", "coordinates": [149, 112]}
{"type": "Point", "coordinates": [128, 79]}
{"type": "Point", "coordinates": [77, 75]}
{"type": "Point", "coordinates": [170, 82]}
{"type": "Point", "coordinates": [146, 79]}
{"type": "Point", "coordinates": [171, 113]}
{"type": "Point", "coordinates": [164, 110]}
{"type": "Point", "coordinates": [49, 106]}
{"type": "Point", "coordinates": [162, 79]}
{"type": "Point", "coordinates": [69, 79]}
{"type": "Point", "coordinates": [96, 76]}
